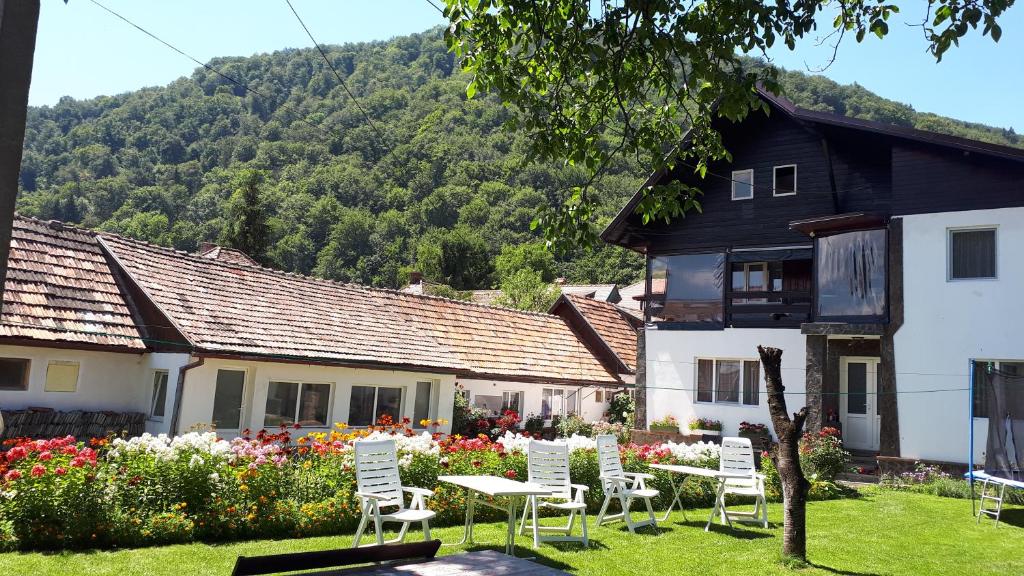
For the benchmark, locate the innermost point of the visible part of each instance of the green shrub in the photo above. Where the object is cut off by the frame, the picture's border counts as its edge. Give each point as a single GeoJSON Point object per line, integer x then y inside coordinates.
{"type": "Point", "coordinates": [822, 454]}
{"type": "Point", "coordinates": [573, 424]}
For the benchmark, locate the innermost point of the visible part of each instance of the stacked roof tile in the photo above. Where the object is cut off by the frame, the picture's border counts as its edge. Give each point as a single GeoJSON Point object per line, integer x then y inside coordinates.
{"type": "Point", "coordinates": [611, 324]}
{"type": "Point", "coordinates": [60, 288]}
{"type": "Point", "coordinates": [237, 308]}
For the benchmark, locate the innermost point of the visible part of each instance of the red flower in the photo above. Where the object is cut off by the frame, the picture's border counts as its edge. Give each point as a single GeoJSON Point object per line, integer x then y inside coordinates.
{"type": "Point", "coordinates": [477, 463]}
{"type": "Point", "coordinates": [38, 470]}
{"type": "Point", "coordinates": [510, 474]}
{"type": "Point", "coordinates": [60, 471]}
{"type": "Point", "coordinates": [16, 453]}
{"type": "Point", "coordinates": [45, 456]}
{"type": "Point", "coordinates": [77, 462]}
{"type": "Point", "coordinates": [12, 475]}
{"type": "Point", "coordinates": [297, 426]}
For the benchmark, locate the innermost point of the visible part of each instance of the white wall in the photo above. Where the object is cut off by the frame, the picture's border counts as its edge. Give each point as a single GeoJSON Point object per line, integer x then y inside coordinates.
{"type": "Point", "coordinates": [197, 400]}
{"type": "Point", "coordinates": [672, 372]}
{"type": "Point", "coordinates": [106, 381]}
{"type": "Point", "coordinates": [590, 409]}
{"type": "Point", "coordinates": [949, 322]}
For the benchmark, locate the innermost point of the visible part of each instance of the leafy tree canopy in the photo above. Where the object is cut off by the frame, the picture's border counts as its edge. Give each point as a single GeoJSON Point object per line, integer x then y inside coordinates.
{"type": "Point", "coordinates": [594, 80]}
{"type": "Point", "coordinates": [525, 289]}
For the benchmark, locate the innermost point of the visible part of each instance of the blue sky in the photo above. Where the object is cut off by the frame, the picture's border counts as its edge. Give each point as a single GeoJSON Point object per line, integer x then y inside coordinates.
{"type": "Point", "coordinates": [83, 51]}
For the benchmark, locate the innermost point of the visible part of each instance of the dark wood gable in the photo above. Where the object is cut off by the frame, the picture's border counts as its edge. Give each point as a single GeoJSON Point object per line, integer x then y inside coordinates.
{"type": "Point", "coordinates": [759, 143]}
{"type": "Point", "coordinates": [844, 165]}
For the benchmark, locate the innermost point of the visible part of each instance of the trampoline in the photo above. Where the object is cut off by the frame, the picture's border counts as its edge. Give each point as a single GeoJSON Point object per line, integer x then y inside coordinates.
{"type": "Point", "coordinates": [997, 392]}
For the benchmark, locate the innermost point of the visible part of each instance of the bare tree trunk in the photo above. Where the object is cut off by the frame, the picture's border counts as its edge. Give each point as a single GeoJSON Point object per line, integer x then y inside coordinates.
{"type": "Point", "coordinates": [18, 22]}
{"type": "Point", "coordinates": [787, 459]}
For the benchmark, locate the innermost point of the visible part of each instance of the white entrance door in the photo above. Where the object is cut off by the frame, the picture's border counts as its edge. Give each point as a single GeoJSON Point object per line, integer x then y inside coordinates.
{"type": "Point", "coordinates": [858, 402]}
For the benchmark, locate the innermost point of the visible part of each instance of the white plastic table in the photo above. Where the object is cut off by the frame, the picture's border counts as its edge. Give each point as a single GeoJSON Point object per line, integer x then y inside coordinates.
{"type": "Point", "coordinates": [685, 472]}
{"type": "Point", "coordinates": [494, 486]}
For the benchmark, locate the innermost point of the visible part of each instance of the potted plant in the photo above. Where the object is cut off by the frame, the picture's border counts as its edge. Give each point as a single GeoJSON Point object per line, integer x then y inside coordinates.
{"type": "Point", "coordinates": [666, 424]}
{"type": "Point", "coordinates": [705, 427]}
{"type": "Point", "coordinates": [760, 437]}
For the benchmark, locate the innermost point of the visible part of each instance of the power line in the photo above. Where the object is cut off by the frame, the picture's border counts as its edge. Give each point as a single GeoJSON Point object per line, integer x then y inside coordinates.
{"type": "Point", "coordinates": [178, 50]}
{"type": "Point", "coordinates": [330, 65]}
{"type": "Point", "coordinates": [436, 7]}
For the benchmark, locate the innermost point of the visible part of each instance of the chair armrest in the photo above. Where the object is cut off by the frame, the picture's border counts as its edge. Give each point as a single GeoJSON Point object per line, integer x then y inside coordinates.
{"type": "Point", "coordinates": [618, 479]}
{"type": "Point", "coordinates": [581, 487]}
{"type": "Point", "coordinates": [643, 475]}
{"type": "Point", "coordinates": [372, 496]}
{"type": "Point", "coordinates": [418, 491]}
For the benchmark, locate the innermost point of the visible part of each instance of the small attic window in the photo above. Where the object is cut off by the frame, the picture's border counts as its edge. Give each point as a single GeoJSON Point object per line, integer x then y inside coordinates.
{"type": "Point", "coordinates": [742, 184]}
{"type": "Point", "coordinates": [785, 180]}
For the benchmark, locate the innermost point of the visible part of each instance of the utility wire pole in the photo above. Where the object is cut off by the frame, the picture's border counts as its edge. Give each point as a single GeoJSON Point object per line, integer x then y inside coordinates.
{"type": "Point", "coordinates": [19, 20]}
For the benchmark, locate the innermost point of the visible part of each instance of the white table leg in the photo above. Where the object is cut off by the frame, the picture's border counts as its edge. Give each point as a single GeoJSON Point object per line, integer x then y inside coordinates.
{"type": "Point", "coordinates": [467, 532]}
{"type": "Point", "coordinates": [510, 538]}
{"type": "Point", "coordinates": [677, 498]}
{"type": "Point", "coordinates": [719, 503]}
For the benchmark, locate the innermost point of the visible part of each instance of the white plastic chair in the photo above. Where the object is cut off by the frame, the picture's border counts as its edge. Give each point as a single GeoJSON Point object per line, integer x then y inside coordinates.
{"type": "Point", "coordinates": [379, 486]}
{"type": "Point", "coordinates": [548, 466]}
{"type": "Point", "coordinates": [738, 458]}
{"type": "Point", "coordinates": [622, 486]}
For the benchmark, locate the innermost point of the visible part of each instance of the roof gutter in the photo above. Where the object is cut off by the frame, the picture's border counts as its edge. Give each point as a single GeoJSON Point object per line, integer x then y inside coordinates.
{"type": "Point", "coordinates": [179, 389]}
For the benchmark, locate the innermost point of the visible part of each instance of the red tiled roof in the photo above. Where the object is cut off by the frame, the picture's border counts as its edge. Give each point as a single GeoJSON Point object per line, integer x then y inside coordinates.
{"type": "Point", "coordinates": [243, 309]}
{"type": "Point", "coordinates": [60, 288]}
{"type": "Point", "coordinates": [500, 341]}
{"type": "Point", "coordinates": [611, 325]}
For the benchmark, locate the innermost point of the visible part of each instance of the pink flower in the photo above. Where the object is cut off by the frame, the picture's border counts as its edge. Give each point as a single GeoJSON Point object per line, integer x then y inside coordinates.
{"type": "Point", "coordinates": [45, 456]}
{"type": "Point", "coordinates": [60, 471]}
{"type": "Point", "coordinates": [510, 474]}
{"type": "Point", "coordinates": [12, 475]}
{"type": "Point", "coordinates": [77, 462]}
{"type": "Point", "coordinates": [38, 470]}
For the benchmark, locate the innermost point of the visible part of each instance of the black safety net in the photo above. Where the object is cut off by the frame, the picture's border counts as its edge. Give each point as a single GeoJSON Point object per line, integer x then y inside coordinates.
{"type": "Point", "coordinates": [999, 395]}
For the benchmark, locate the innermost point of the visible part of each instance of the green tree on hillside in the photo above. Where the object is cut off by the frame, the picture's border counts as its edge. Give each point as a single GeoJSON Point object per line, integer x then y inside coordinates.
{"type": "Point", "coordinates": [246, 216]}
{"type": "Point", "coordinates": [531, 256]}
{"type": "Point", "coordinates": [457, 257]}
{"type": "Point", "coordinates": [525, 289]}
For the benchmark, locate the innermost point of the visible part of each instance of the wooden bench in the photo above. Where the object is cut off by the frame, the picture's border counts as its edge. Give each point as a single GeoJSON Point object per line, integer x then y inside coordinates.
{"type": "Point", "coordinates": [300, 561]}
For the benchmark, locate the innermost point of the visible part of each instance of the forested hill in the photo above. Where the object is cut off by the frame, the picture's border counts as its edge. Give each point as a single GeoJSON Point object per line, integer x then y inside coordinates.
{"type": "Point", "coordinates": [164, 164]}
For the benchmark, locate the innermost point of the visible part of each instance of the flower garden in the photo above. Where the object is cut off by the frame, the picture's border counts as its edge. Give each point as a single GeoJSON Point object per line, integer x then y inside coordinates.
{"type": "Point", "coordinates": [151, 490]}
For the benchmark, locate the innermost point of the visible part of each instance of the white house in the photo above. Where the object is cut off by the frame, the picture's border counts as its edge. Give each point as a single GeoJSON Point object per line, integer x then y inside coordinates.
{"type": "Point", "coordinates": [882, 260]}
{"type": "Point", "coordinates": [99, 322]}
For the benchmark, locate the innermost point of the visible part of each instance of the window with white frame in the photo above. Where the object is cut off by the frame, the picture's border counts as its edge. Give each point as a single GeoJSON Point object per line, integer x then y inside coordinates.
{"type": "Point", "coordinates": [157, 404]}
{"type": "Point", "coordinates": [728, 381]}
{"type": "Point", "coordinates": [972, 254]}
{"type": "Point", "coordinates": [742, 184]}
{"type": "Point", "coordinates": [297, 403]}
{"type": "Point", "coordinates": [552, 402]}
{"type": "Point", "coordinates": [370, 404]}
{"type": "Point", "coordinates": [512, 400]}
{"type": "Point", "coordinates": [784, 180]}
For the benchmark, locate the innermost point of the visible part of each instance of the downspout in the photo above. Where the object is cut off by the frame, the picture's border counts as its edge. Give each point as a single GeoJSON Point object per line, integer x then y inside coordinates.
{"type": "Point", "coordinates": [179, 391]}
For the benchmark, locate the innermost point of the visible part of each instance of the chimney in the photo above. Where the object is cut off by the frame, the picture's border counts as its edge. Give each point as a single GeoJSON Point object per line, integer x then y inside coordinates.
{"type": "Point", "coordinates": [205, 247]}
{"type": "Point", "coordinates": [415, 277]}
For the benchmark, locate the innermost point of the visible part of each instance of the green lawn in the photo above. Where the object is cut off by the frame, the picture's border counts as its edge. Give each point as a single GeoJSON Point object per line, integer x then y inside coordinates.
{"type": "Point", "coordinates": [880, 533]}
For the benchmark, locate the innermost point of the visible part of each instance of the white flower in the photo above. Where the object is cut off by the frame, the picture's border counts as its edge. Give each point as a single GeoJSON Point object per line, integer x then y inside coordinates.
{"type": "Point", "coordinates": [196, 461]}
{"type": "Point", "coordinates": [214, 477]}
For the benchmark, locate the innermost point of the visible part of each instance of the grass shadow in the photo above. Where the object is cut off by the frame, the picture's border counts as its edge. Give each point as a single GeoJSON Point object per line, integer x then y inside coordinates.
{"type": "Point", "coordinates": [737, 530]}
{"type": "Point", "coordinates": [1012, 516]}
{"type": "Point", "coordinates": [832, 570]}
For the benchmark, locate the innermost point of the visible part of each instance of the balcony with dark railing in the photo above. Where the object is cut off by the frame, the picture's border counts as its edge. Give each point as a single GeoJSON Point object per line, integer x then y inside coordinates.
{"type": "Point", "coordinates": [767, 309]}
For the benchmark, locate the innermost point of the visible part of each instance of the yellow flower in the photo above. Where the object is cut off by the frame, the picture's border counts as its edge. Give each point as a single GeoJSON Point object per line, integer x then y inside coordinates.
{"type": "Point", "coordinates": [244, 487]}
